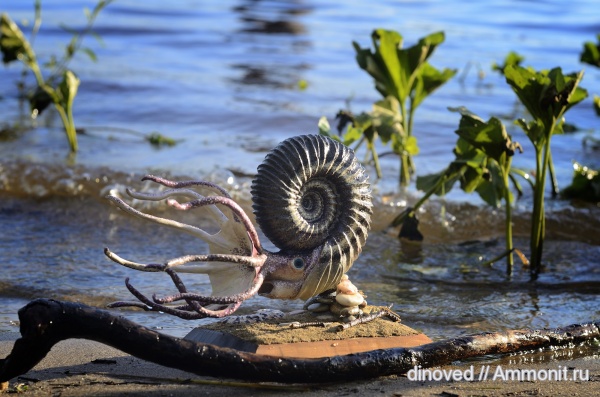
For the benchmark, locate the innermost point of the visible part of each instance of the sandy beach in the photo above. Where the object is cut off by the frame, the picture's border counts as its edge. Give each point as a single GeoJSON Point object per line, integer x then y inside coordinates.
{"type": "Point", "coordinates": [84, 368]}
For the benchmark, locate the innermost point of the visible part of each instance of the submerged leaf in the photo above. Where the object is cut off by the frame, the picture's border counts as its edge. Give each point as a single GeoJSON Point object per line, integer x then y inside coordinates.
{"type": "Point", "coordinates": [39, 101]}
{"type": "Point", "coordinates": [585, 185]}
{"type": "Point", "coordinates": [410, 228]}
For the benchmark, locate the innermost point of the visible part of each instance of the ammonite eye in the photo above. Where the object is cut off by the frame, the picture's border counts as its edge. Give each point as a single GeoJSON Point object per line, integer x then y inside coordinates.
{"type": "Point", "coordinates": [298, 263]}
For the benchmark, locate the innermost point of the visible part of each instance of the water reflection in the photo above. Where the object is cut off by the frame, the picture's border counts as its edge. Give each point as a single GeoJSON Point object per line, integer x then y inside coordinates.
{"type": "Point", "coordinates": [275, 42]}
{"type": "Point", "coordinates": [273, 16]}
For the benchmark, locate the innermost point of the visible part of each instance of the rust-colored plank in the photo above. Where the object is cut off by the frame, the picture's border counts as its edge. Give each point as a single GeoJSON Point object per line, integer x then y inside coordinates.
{"type": "Point", "coordinates": [329, 348]}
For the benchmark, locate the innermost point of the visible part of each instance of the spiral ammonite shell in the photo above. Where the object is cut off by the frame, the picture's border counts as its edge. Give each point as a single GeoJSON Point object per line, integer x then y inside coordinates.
{"type": "Point", "coordinates": [310, 191]}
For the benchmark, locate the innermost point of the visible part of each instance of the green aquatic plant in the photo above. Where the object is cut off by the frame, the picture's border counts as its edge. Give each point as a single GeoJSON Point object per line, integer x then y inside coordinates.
{"type": "Point", "coordinates": [591, 55]}
{"type": "Point", "coordinates": [408, 77]}
{"type": "Point", "coordinates": [512, 58]}
{"type": "Point", "coordinates": [585, 184]}
{"type": "Point", "coordinates": [383, 122]}
{"type": "Point", "coordinates": [515, 59]}
{"type": "Point", "coordinates": [482, 164]}
{"type": "Point", "coordinates": [547, 95]}
{"type": "Point", "coordinates": [60, 87]}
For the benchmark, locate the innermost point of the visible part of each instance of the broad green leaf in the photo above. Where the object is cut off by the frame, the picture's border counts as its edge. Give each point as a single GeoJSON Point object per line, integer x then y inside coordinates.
{"type": "Point", "coordinates": [363, 120]}
{"type": "Point", "coordinates": [396, 70]}
{"type": "Point", "coordinates": [368, 62]}
{"type": "Point", "coordinates": [512, 58]}
{"type": "Point", "coordinates": [13, 43]}
{"type": "Point", "coordinates": [591, 53]}
{"type": "Point", "coordinates": [491, 188]}
{"type": "Point", "coordinates": [534, 131]}
{"type": "Point", "coordinates": [445, 179]}
{"type": "Point", "coordinates": [490, 137]}
{"type": "Point", "coordinates": [352, 135]}
{"type": "Point", "coordinates": [362, 125]}
{"type": "Point", "coordinates": [528, 85]}
{"type": "Point", "coordinates": [387, 44]}
{"type": "Point", "coordinates": [597, 104]}
{"type": "Point", "coordinates": [428, 80]}
{"type": "Point", "coordinates": [418, 54]}
{"type": "Point", "coordinates": [386, 118]}
{"type": "Point", "coordinates": [547, 95]}
{"type": "Point", "coordinates": [471, 179]}
{"type": "Point", "coordinates": [488, 193]}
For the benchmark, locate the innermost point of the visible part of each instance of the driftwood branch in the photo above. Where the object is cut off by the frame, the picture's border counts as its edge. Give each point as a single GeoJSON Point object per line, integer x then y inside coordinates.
{"type": "Point", "coordinates": [46, 322]}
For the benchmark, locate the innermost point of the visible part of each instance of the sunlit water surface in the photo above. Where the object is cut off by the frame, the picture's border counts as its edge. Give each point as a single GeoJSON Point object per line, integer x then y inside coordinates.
{"type": "Point", "coordinates": [222, 78]}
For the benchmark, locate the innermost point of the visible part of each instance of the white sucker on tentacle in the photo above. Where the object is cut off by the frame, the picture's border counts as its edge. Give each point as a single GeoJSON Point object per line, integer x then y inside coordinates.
{"type": "Point", "coordinates": [311, 199]}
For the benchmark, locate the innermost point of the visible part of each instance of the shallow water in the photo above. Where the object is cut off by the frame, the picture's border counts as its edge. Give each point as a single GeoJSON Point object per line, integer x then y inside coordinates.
{"type": "Point", "coordinates": [222, 77]}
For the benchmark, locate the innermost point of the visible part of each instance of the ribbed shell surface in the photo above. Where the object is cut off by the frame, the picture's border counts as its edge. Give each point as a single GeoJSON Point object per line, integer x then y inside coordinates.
{"type": "Point", "coordinates": [311, 191]}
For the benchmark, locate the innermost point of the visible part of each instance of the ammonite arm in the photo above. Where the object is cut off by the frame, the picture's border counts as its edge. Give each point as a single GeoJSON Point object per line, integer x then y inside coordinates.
{"type": "Point", "coordinates": [233, 264]}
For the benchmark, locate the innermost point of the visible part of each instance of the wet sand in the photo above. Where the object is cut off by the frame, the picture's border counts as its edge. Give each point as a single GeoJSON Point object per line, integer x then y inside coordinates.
{"type": "Point", "coordinates": [84, 368]}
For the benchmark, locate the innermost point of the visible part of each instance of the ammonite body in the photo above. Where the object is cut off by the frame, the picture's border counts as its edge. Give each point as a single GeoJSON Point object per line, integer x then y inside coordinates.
{"type": "Point", "coordinates": [311, 199]}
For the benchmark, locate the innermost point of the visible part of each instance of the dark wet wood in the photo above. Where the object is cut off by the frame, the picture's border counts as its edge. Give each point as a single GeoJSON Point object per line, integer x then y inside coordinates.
{"type": "Point", "coordinates": [46, 322]}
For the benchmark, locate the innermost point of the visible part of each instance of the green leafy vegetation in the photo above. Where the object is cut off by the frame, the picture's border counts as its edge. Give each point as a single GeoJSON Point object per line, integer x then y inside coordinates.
{"type": "Point", "coordinates": [158, 139]}
{"type": "Point", "coordinates": [591, 56]}
{"type": "Point", "coordinates": [585, 184]}
{"type": "Point", "coordinates": [513, 59]}
{"type": "Point", "coordinates": [482, 164]}
{"type": "Point", "coordinates": [591, 53]}
{"type": "Point", "coordinates": [404, 78]}
{"type": "Point", "coordinates": [484, 150]}
{"type": "Point", "coordinates": [547, 96]}
{"type": "Point", "coordinates": [60, 86]}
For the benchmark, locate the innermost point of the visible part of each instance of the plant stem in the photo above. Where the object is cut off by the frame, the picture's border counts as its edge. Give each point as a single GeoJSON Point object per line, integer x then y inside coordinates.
{"type": "Point", "coordinates": [400, 218]}
{"type": "Point", "coordinates": [508, 217]}
{"type": "Point", "coordinates": [538, 220]}
{"type": "Point", "coordinates": [404, 178]}
{"type": "Point", "coordinates": [376, 163]}
{"type": "Point", "coordinates": [553, 180]}
{"type": "Point", "coordinates": [67, 118]}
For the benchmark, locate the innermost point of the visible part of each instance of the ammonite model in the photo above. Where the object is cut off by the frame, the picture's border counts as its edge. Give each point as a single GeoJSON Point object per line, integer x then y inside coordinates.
{"type": "Point", "coordinates": [311, 199]}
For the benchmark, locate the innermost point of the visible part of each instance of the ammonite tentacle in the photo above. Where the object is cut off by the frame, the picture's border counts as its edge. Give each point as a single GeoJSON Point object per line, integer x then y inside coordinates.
{"type": "Point", "coordinates": [311, 192]}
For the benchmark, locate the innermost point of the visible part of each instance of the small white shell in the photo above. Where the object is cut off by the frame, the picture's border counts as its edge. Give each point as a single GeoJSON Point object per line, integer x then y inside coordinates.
{"type": "Point", "coordinates": [349, 299]}
{"type": "Point", "coordinates": [345, 286]}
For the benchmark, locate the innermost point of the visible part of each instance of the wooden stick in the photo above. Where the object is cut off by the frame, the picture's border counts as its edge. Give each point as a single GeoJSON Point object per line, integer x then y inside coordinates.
{"type": "Point", "coordinates": [362, 320]}
{"type": "Point", "coordinates": [46, 322]}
